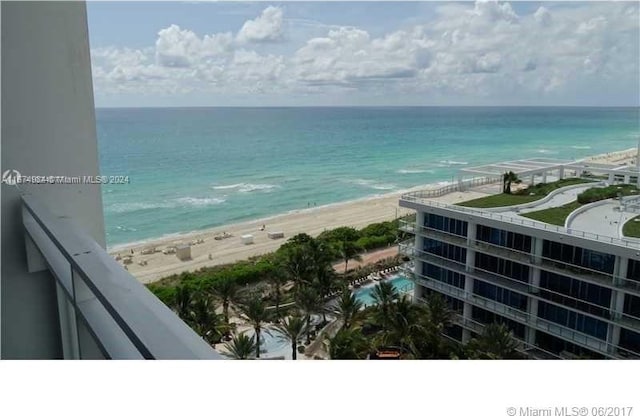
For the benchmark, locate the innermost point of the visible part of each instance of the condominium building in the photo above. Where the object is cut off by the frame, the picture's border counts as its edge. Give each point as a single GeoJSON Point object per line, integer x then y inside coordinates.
{"type": "Point", "coordinates": [564, 292]}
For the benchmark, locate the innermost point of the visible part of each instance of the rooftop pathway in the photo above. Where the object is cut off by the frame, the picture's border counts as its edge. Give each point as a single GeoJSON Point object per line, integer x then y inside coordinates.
{"type": "Point", "coordinates": [559, 199]}
{"type": "Point", "coordinates": [602, 219]}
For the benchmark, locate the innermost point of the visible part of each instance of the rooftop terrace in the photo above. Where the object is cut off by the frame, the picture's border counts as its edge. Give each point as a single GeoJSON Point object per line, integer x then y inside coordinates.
{"type": "Point", "coordinates": [556, 211]}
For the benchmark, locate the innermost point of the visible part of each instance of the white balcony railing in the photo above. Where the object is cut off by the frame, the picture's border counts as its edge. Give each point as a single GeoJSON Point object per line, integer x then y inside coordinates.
{"type": "Point", "coordinates": [104, 311]}
{"type": "Point", "coordinates": [424, 198]}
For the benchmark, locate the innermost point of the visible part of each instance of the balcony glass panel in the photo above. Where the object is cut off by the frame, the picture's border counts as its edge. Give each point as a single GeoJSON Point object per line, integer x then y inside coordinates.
{"type": "Point", "coordinates": [573, 320]}
{"type": "Point", "coordinates": [587, 297]}
{"type": "Point", "coordinates": [449, 225]}
{"type": "Point", "coordinates": [579, 256]}
{"type": "Point", "coordinates": [502, 267]}
{"type": "Point", "coordinates": [504, 238]}
{"type": "Point", "coordinates": [445, 250]}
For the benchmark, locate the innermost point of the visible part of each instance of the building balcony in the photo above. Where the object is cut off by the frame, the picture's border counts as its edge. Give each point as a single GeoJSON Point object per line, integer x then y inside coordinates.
{"type": "Point", "coordinates": [530, 351]}
{"type": "Point", "coordinates": [412, 228]}
{"type": "Point", "coordinates": [523, 317]}
{"type": "Point", "coordinates": [104, 312]}
{"type": "Point", "coordinates": [529, 259]}
{"type": "Point", "coordinates": [502, 252]}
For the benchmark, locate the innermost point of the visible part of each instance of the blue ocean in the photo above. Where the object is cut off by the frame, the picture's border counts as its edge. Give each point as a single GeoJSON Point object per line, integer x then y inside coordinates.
{"type": "Point", "coordinates": [195, 168]}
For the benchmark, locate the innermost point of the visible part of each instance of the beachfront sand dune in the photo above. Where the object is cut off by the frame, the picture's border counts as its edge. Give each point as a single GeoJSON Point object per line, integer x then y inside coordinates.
{"type": "Point", "coordinates": [206, 250]}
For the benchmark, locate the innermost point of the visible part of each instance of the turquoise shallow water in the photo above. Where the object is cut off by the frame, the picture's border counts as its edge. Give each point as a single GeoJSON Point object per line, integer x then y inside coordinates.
{"type": "Point", "coordinates": [401, 283]}
{"type": "Point", "coordinates": [195, 168]}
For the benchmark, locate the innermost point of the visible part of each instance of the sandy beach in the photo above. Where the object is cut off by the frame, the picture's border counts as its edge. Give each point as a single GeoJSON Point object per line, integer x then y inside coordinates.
{"type": "Point", "coordinates": [206, 250]}
{"type": "Point", "coordinates": [622, 157]}
{"type": "Point", "coordinates": [312, 221]}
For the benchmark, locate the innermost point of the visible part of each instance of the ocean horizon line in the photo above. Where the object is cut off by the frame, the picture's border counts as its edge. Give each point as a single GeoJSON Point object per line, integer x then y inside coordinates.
{"type": "Point", "coordinates": [365, 106]}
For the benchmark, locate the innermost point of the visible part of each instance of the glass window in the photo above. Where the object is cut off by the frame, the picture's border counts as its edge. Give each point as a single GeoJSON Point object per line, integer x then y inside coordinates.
{"type": "Point", "coordinates": [448, 225]}
{"type": "Point", "coordinates": [503, 267]}
{"type": "Point", "coordinates": [579, 256]}
{"type": "Point", "coordinates": [499, 294]}
{"type": "Point", "coordinates": [633, 270]}
{"type": "Point", "coordinates": [445, 250]}
{"type": "Point", "coordinates": [443, 275]}
{"type": "Point", "coordinates": [485, 317]}
{"type": "Point", "coordinates": [573, 320]}
{"type": "Point", "coordinates": [504, 238]}
{"type": "Point", "coordinates": [587, 297]}
{"type": "Point", "coordinates": [630, 340]}
{"type": "Point", "coordinates": [556, 345]}
{"type": "Point", "coordinates": [632, 305]}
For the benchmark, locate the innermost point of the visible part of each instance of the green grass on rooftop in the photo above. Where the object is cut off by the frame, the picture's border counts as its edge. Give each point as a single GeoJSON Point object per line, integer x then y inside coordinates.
{"type": "Point", "coordinates": [558, 215]}
{"type": "Point", "coordinates": [500, 200]}
{"type": "Point", "coordinates": [555, 216]}
{"type": "Point", "coordinates": [631, 228]}
{"type": "Point", "coordinates": [530, 194]}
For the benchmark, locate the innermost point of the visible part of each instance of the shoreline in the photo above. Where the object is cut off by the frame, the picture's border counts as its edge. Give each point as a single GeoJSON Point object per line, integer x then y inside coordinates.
{"type": "Point", "coordinates": [194, 233]}
{"type": "Point", "coordinates": [208, 251]}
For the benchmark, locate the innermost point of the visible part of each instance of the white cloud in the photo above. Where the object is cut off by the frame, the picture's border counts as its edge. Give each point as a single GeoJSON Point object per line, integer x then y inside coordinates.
{"type": "Point", "coordinates": [176, 47]}
{"type": "Point", "coordinates": [492, 11]}
{"type": "Point", "coordinates": [464, 52]}
{"type": "Point", "coordinates": [349, 55]}
{"type": "Point", "coordinates": [267, 27]}
{"type": "Point", "coordinates": [542, 16]}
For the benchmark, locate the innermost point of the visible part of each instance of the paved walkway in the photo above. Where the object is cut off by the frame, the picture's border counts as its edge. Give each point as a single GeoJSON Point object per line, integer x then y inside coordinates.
{"type": "Point", "coordinates": [602, 219]}
{"type": "Point", "coordinates": [367, 258]}
{"type": "Point", "coordinates": [559, 199]}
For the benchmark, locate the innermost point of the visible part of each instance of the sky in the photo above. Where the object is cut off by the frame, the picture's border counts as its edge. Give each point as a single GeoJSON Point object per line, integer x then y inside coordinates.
{"type": "Point", "coordinates": [485, 52]}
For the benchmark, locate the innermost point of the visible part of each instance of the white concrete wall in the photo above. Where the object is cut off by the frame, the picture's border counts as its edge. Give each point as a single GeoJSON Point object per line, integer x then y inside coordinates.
{"type": "Point", "coordinates": [48, 128]}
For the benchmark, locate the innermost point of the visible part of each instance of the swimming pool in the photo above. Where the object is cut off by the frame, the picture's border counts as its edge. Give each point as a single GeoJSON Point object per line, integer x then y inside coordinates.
{"type": "Point", "coordinates": [402, 284]}
{"type": "Point", "coordinates": [271, 345]}
{"type": "Point", "coordinates": [274, 346]}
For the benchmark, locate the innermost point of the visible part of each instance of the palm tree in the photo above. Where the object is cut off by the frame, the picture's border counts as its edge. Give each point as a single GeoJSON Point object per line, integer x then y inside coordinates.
{"type": "Point", "coordinates": [241, 347]}
{"type": "Point", "coordinates": [404, 327]}
{"type": "Point", "coordinates": [308, 300]}
{"type": "Point", "coordinates": [257, 315]}
{"type": "Point", "coordinates": [324, 283]}
{"type": "Point", "coordinates": [384, 295]}
{"type": "Point", "coordinates": [322, 254]}
{"type": "Point", "coordinates": [278, 279]}
{"type": "Point", "coordinates": [433, 318]}
{"type": "Point", "coordinates": [349, 251]}
{"type": "Point", "coordinates": [348, 307]}
{"type": "Point", "coordinates": [348, 344]}
{"type": "Point", "coordinates": [298, 262]}
{"type": "Point", "coordinates": [507, 179]}
{"type": "Point", "coordinates": [182, 301]}
{"type": "Point", "coordinates": [206, 321]}
{"type": "Point", "coordinates": [225, 289]}
{"type": "Point", "coordinates": [292, 330]}
{"type": "Point", "coordinates": [439, 313]}
{"type": "Point", "coordinates": [496, 342]}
